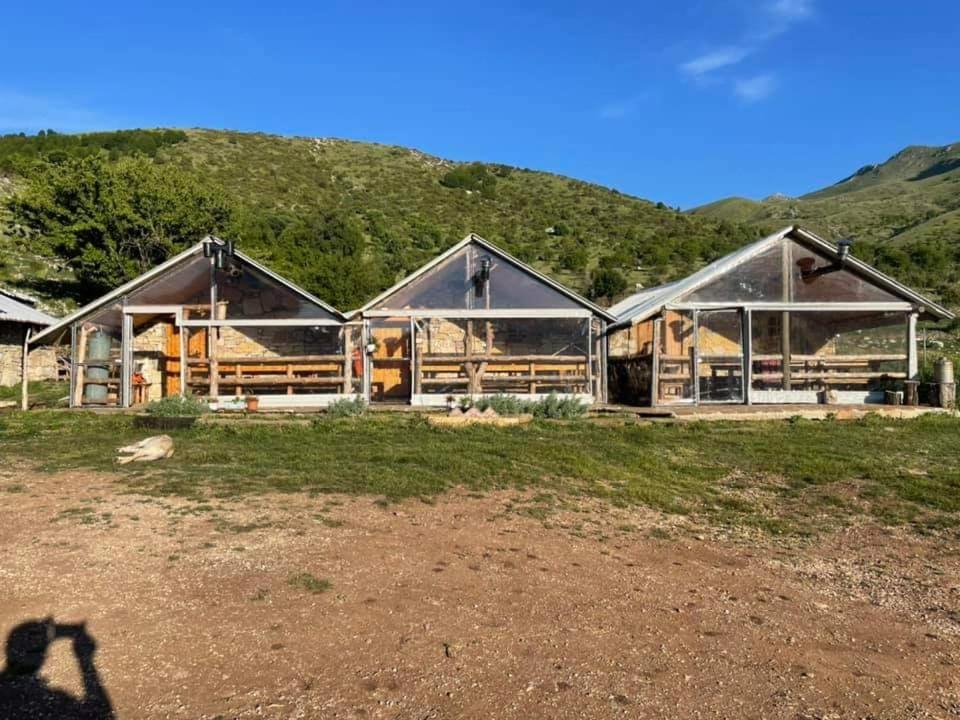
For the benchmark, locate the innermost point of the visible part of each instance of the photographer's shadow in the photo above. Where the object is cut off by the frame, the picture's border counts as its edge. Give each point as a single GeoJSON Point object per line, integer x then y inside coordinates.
{"type": "Point", "coordinates": [24, 693]}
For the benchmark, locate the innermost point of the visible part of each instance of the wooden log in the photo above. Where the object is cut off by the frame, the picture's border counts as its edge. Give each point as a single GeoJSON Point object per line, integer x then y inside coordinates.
{"type": "Point", "coordinates": [911, 392]}
{"type": "Point", "coordinates": [944, 395]}
{"type": "Point", "coordinates": [81, 372]}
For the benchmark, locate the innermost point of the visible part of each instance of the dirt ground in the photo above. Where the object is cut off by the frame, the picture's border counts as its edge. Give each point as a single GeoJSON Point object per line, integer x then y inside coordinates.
{"type": "Point", "coordinates": [471, 607]}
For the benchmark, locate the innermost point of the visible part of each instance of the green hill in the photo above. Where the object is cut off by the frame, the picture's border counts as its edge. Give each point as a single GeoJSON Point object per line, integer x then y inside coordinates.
{"type": "Point", "coordinates": [407, 205]}
{"type": "Point", "coordinates": [904, 215]}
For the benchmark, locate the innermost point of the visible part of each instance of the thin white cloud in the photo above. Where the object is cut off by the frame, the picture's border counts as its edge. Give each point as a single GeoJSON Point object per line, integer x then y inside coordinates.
{"type": "Point", "coordinates": [22, 112]}
{"type": "Point", "coordinates": [766, 20]}
{"type": "Point", "coordinates": [756, 88]}
{"type": "Point", "coordinates": [725, 57]}
{"type": "Point", "coordinates": [791, 10]}
{"type": "Point", "coordinates": [777, 17]}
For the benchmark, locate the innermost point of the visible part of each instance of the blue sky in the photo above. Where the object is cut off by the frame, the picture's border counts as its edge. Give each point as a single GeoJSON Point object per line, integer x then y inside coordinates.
{"type": "Point", "coordinates": [683, 102]}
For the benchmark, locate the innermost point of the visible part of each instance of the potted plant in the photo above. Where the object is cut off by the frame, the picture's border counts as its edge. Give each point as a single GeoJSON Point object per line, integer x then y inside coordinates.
{"type": "Point", "coordinates": [252, 402]}
{"type": "Point", "coordinates": [372, 345]}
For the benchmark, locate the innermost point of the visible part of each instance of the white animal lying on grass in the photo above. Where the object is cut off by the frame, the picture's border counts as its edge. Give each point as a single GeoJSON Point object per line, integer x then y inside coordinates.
{"type": "Point", "coordinates": [157, 447]}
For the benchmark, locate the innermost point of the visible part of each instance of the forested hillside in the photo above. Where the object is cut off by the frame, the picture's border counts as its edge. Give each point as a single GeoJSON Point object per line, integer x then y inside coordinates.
{"type": "Point", "coordinates": [903, 214]}
{"type": "Point", "coordinates": [345, 219]}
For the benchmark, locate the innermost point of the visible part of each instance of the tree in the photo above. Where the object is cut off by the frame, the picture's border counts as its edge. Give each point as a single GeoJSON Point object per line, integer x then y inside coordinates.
{"type": "Point", "coordinates": [606, 283]}
{"type": "Point", "coordinates": [113, 221]}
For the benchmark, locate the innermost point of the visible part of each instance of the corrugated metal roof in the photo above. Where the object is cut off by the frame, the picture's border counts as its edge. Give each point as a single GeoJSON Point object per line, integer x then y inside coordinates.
{"type": "Point", "coordinates": [650, 301]}
{"type": "Point", "coordinates": [14, 311]}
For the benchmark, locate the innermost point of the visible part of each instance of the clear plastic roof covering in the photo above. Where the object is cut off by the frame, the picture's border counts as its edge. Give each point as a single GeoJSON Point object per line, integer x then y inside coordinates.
{"type": "Point", "coordinates": [458, 284]}
{"type": "Point", "coordinates": [247, 292]}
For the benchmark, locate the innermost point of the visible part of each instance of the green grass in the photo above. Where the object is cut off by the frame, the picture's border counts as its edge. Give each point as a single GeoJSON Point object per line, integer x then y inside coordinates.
{"type": "Point", "coordinates": [306, 581]}
{"type": "Point", "coordinates": [779, 477]}
{"type": "Point", "coordinates": [42, 393]}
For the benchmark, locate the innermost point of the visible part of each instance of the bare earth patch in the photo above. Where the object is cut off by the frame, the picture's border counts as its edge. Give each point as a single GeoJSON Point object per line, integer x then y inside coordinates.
{"type": "Point", "coordinates": [504, 605]}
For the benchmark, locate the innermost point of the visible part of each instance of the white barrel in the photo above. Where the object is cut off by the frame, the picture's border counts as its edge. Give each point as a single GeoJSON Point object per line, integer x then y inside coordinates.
{"type": "Point", "coordinates": [943, 370]}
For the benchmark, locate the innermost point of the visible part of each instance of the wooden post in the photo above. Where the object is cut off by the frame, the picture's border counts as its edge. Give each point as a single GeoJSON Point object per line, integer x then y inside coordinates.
{"type": "Point", "coordinates": [468, 364]}
{"type": "Point", "coordinates": [126, 361]}
{"type": "Point", "coordinates": [73, 362]}
{"type": "Point", "coordinates": [695, 361]}
{"type": "Point", "coordinates": [913, 368]}
{"type": "Point", "coordinates": [25, 370]}
{"type": "Point", "coordinates": [655, 363]}
{"type": "Point", "coordinates": [347, 347]}
{"type": "Point", "coordinates": [747, 320]}
{"type": "Point", "coordinates": [533, 375]}
{"type": "Point", "coordinates": [589, 374]}
{"type": "Point", "coordinates": [212, 334]}
{"type": "Point", "coordinates": [81, 368]}
{"type": "Point", "coordinates": [786, 269]}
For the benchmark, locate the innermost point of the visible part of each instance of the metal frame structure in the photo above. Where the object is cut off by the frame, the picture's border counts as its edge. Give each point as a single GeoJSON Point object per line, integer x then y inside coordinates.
{"type": "Point", "coordinates": [650, 304]}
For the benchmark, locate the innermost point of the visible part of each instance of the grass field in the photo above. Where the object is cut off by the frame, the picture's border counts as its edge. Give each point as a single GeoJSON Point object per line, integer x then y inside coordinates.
{"type": "Point", "coordinates": [784, 477]}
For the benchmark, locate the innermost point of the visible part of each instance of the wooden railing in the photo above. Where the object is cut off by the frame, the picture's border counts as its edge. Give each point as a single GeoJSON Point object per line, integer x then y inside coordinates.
{"type": "Point", "coordinates": [241, 374]}
{"type": "Point", "coordinates": [830, 369]}
{"type": "Point", "coordinates": [502, 373]}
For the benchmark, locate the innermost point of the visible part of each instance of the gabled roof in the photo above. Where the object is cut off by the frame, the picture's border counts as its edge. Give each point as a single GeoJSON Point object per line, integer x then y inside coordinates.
{"type": "Point", "coordinates": [165, 266]}
{"type": "Point", "coordinates": [475, 239]}
{"type": "Point", "coordinates": [650, 301]}
{"type": "Point", "coordinates": [12, 310]}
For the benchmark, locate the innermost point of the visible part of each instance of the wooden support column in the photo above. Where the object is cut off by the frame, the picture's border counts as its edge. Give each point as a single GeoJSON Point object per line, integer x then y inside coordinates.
{"type": "Point", "coordinates": [468, 363]}
{"type": "Point", "coordinates": [73, 362]}
{"type": "Point", "coordinates": [913, 366]}
{"type": "Point", "coordinates": [126, 361]}
{"type": "Point", "coordinates": [695, 359]}
{"type": "Point", "coordinates": [590, 387]}
{"type": "Point", "coordinates": [787, 271]}
{"type": "Point", "coordinates": [417, 365]}
{"type": "Point", "coordinates": [25, 370]}
{"type": "Point", "coordinates": [655, 363]}
{"type": "Point", "coordinates": [347, 359]}
{"type": "Point", "coordinates": [80, 366]}
{"type": "Point", "coordinates": [747, 316]}
{"type": "Point", "coordinates": [212, 335]}
{"type": "Point", "coordinates": [184, 368]}
{"type": "Point", "coordinates": [414, 357]}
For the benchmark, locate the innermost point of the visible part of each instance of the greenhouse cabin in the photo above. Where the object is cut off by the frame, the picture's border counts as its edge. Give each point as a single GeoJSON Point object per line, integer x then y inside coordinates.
{"type": "Point", "coordinates": [790, 318]}
{"type": "Point", "coordinates": [476, 321]}
{"type": "Point", "coordinates": [213, 323]}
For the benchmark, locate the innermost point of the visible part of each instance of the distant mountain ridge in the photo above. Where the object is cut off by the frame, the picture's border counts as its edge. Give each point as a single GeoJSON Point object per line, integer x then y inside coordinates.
{"type": "Point", "coordinates": [913, 196]}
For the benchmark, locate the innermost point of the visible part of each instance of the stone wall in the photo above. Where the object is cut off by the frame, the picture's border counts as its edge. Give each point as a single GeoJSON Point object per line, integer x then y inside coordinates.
{"type": "Point", "coordinates": [442, 336]}
{"type": "Point", "coordinates": [276, 341]}
{"type": "Point", "coordinates": [43, 359]}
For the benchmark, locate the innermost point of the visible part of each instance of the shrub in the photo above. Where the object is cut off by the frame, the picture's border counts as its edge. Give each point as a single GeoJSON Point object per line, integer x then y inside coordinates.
{"type": "Point", "coordinates": [177, 406]}
{"type": "Point", "coordinates": [347, 407]}
{"type": "Point", "coordinates": [504, 404]}
{"type": "Point", "coordinates": [554, 407]}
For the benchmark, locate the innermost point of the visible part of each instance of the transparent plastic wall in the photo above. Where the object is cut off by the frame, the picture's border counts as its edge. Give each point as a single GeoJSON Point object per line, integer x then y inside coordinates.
{"type": "Point", "coordinates": [836, 350]}
{"type": "Point", "coordinates": [675, 375]}
{"type": "Point", "coordinates": [474, 278]}
{"type": "Point", "coordinates": [810, 277]}
{"type": "Point", "coordinates": [514, 355]}
{"type": "Point", "coordinates": [720, 356]}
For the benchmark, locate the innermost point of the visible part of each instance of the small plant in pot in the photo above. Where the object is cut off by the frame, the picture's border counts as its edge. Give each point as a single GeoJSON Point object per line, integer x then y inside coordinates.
{"type": "Point", "coordinates": [252, 402]}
